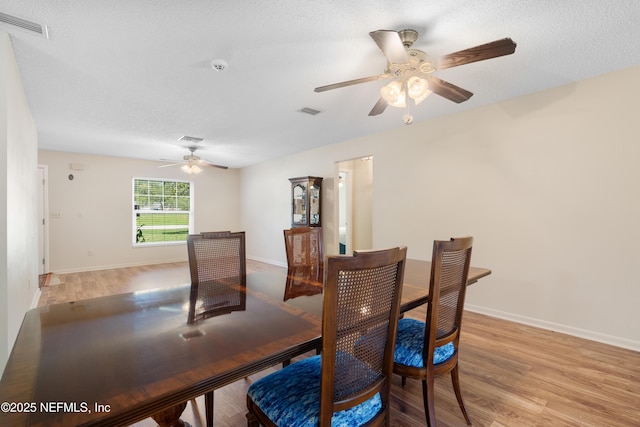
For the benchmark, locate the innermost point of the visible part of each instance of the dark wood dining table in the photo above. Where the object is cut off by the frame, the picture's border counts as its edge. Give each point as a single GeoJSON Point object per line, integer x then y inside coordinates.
{"type": "Point", "coordinates": [119, 359]}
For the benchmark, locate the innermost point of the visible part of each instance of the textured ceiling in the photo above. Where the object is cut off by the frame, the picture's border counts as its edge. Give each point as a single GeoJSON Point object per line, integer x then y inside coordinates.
{"type": "Point", "coordinates": [129, 78]}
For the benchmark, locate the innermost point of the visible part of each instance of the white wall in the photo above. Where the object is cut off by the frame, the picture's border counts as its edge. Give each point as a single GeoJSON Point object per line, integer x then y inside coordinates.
{"type": "Point", "coordinates": [546, 183]}
{"type": "Point", "coordinates": [18, 201]}
{"type": "Point", "coordinates": [95, 210]}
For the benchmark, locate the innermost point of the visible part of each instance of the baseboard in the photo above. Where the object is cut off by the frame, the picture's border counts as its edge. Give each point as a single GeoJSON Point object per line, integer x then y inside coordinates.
{"type": "Point", "coordinates": [267, 261]}
{"type": "Point", "coordinates": [556, 327]}
{"type": "Point", "coordinates": [36, 299]}
{"type": "Point", "coordinates": [112, 266]}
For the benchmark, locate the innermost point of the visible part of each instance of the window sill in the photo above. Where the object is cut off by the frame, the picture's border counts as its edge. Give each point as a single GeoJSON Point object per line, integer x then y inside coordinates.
{"type": "Point", "coordinates": [156, 244]}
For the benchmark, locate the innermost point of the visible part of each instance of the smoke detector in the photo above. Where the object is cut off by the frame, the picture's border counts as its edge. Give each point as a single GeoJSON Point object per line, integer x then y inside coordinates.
{"type": "Point", "coordinates": [219, 64]}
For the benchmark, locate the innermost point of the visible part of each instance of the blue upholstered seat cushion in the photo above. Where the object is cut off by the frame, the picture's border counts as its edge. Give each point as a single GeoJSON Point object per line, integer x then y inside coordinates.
{"type": "Point", "coordinates": [410, 342]}
{"type": "Point", "coordinates": [291, 397]}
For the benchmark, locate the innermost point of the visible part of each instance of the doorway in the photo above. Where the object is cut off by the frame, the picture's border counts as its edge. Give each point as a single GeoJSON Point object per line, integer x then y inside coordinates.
{"type": "Point", "coordinates": [344, 211]}
{"type": "Point", "coordinates": [355, 203]}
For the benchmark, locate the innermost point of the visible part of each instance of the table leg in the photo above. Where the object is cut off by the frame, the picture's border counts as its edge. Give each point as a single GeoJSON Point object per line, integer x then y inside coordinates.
{"type": "Point", "coordinates": [171, 417]}
{"type": "Point", "coordinates": [208, 405]}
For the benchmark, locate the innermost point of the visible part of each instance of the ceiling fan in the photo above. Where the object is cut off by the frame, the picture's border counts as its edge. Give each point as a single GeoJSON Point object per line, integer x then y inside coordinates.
{"type": "Point", "coordinates": [412, 70]}
{"type": "Point", "coordinates": [191, 163]}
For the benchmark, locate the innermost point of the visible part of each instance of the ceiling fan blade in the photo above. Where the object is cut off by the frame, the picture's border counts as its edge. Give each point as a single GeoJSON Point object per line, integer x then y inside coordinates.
{"type": "Point", "coordinates": [390, 44]}
{"type": "Point", "coordinates": [351, 82]}
{"type": "Point", "coordinates": [379, 108]}
{"type": "Point", "coordinates": [169, 165]}
{"type": "Point", "coordinates": [447, 90]}
{"type": "Point", "coordinates": [207, 163]}
{"type": "Point", "coordinates": [479, 53]}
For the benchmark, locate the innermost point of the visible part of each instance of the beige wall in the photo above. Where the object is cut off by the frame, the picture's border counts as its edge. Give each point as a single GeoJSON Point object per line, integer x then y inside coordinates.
{"type": "Point", "coordinates": [92, 212]}
{"type": "Point", "coordinates": [18, 201]}
{"type": "Point", "coordinates": [362, 178]}
{"type": "Point", "coordinates": [361, 171]}
{"type": "Point", "coordinates": [546, 183]}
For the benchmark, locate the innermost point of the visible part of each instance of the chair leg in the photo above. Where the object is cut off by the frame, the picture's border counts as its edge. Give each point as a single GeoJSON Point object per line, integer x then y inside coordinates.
{"type": "Point", "coordinates": [252, 420]}
{"type": "Point", "coordinates": [404, 381]}
{"type": "Point", "coordinates": [428, 393]}
{"type": "Point", "coordinates": [208, 408]}
{"type": "Point", "coordinates": [456, 387]}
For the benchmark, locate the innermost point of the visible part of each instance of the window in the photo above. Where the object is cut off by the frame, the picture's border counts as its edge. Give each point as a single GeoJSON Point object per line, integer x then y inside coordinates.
{"type": "Point", "coordinates": [162, 211]}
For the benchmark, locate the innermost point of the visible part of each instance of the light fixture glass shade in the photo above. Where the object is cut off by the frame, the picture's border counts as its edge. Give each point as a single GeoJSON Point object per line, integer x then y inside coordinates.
{"type": "Point", "coordinates": [423, 97]}
{"type": "Point", "coordinates": [190, 169]}
{"type": "Point", "coordinates": [416, 87]}
{"type": "Point", "coordinates": [393, 94]}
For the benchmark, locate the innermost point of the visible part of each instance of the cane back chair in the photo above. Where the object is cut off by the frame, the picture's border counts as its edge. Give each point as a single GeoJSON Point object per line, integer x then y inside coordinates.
{"type": "Point", "coordinates": [217, 263]}
{"type": "Point", "coordinates": [303, 246]}
{"type": "Point", "coordinates": [305, 262]}
{"type": "Point", "coordinates": [425, 350]}
{"type": "Point", "coordinates": [218, 268]}
{"type": "Point", "coordinates": [343, 385]}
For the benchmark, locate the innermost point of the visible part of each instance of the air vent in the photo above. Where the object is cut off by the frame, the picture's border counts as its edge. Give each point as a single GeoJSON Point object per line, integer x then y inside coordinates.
{"type": "Point", "coordinates": [192, 139]}
{"type": "Point", "coordinates": [23, 24]}
{"type": "Point", "coordinates": [309, 110]}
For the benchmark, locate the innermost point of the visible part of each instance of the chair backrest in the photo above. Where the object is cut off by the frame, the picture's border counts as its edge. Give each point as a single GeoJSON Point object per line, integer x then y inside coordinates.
{"type": "Point", "coordinates": [217, 263]}
{"type": "Point", "coordinates": [303, 246]}
{"type": "Point", "coordinates": [214, 234]}
{"type": "Point", "coordinates": [447, 289]}
{"type": "Point", "coordinates": [359, 326]}
{"type": "Point", "coordinates": [304, 280]}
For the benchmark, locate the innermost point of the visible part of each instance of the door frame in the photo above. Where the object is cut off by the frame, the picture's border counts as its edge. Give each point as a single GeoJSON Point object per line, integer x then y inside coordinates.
{"type": "Point", "coordinates": [43, 220]}
{"type": "Point", "coordinates": [345, 196]}
{"type": "Point", "coordinates": [347, 166]}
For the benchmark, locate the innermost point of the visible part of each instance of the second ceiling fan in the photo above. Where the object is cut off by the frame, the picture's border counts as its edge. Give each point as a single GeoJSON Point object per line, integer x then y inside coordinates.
{"type": "Point", "coordinates": [412, 70]}
{"type": "Point", "coordinates": [191, 163]}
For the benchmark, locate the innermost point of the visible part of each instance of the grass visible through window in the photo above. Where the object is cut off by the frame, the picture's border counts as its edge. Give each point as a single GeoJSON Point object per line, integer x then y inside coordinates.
{"type": "Point", "coordinates": [162, 210]}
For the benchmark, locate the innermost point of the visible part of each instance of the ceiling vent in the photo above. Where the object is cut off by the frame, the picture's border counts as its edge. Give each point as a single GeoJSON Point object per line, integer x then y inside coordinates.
{"type": "Point", "coordinates": [23, 24]}
{"type": "Point", "coordinates": [309, 110]}
{"type": "Point", "coordinates": [191, 139]}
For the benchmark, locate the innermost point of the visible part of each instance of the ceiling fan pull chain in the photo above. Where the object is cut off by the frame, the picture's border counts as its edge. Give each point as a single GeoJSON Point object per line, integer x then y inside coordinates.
{"type": "Point", "coordinates": [407, 118]}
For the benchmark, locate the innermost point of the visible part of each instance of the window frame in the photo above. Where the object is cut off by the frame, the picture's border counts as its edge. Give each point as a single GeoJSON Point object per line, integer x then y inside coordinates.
{"type": "Point", "coordinates": [135, 210]}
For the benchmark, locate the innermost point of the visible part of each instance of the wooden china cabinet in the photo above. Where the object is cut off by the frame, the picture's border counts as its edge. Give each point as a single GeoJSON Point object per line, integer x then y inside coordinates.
{"type": "Point", "coordinates": [305, 201]}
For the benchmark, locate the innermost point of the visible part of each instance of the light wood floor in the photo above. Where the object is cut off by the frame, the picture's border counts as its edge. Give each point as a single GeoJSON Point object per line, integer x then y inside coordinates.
{"type": "Point", "coordinates": [511, 374]}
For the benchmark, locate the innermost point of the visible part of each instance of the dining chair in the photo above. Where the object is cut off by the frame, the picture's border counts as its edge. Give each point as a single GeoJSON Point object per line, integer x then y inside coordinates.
{"type": "Point", "coordinates": [303, 246]}
{"type": "Point", "coordinates": [217, 264]}
{"type": "Point", "coordinates": [303, 280]}
{"type": "Point", "coordinates": [218, 268]}
{"type": "Point", "coordinates": [305, 263]}
{"type": "Point", "coordinates": [342, 384]}
{"type": "Point", "coordinates": [425, 350]}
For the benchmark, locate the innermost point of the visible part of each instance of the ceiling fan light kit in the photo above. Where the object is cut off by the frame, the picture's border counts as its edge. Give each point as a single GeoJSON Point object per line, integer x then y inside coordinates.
{"type": "Point", "coordinates": [394, 94]}
{"type": "Point", "coordinates": [191, 169]}
{"type": "Point", "coordinates": [191, 163]}
{"type": "Point", "coordinates": [411, 71]}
